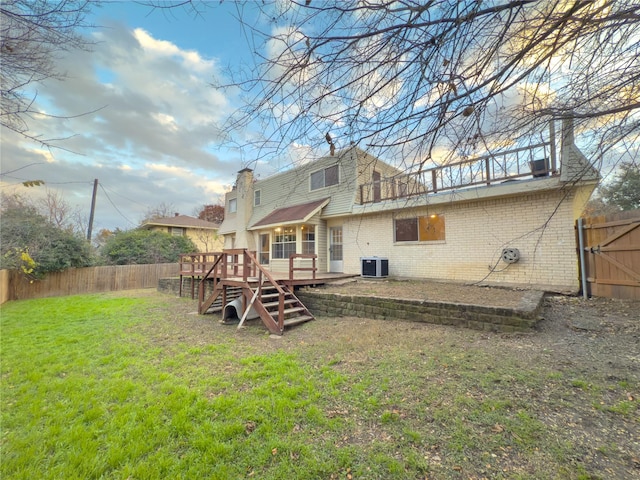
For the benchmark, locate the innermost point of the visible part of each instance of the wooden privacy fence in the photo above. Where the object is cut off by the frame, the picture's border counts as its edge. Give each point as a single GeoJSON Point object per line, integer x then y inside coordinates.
{"type": "Point", "coordinates": [85, 280]}
{"type": "Point", "coordinates": [611, 262]}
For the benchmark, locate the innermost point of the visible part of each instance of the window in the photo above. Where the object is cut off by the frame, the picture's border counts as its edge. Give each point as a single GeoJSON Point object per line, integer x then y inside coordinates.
{"type": "Point", "coordinates": [325, 178]}
{"type": "Point", "coordinates": [284, 242]}
{"type": "Point", "coordinates": [233, 205]}
{"type": "Point", "coordinates": [177, 231]}
{"type": "Point", "coordinates": [420, 229]}
{"type": "Point", "coordinates": [308, 238]}
{"type": "Point", "coordinates": [264, 249]}
{"type": "Point", "coordinates": [256, 198]}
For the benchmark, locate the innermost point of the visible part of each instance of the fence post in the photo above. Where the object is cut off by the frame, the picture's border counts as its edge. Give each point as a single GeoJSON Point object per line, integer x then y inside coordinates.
{"type": "Point", "coordinates": [583, 274]}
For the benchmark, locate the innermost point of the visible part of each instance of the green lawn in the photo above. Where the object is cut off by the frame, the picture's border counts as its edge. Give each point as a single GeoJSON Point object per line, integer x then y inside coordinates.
{"type": "Point", "coordinates": [135, 386]}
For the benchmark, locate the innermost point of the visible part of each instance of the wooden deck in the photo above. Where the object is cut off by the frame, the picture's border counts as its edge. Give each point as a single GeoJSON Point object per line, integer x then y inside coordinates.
{"type": "Point", "coordinates": [236, 276]}
{"type": "Point", "coordinates": [533, 161]}
{"type": "Point", "coordinates": [198, 266]}
{"type": "Point", "coordinates": [298, 280]}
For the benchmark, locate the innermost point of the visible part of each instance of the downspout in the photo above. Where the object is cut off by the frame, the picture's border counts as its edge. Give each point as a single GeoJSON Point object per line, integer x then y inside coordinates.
{"type": "Point", "coordinates": [583, 276]}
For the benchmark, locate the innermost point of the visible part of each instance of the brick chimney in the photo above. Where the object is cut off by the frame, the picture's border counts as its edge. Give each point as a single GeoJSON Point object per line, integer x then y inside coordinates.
{"type": "Point", "coordinates": [244, 187]}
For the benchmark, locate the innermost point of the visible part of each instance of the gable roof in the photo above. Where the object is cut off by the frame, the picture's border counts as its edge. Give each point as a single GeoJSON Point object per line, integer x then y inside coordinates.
{"type": "Point", "coordinates": [184, 221]}
{"type": "Point", "coordinates": [295, 214]}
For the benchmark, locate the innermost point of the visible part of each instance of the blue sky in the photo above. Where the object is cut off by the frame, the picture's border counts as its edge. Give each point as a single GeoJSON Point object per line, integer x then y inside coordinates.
{"type": "Point", "coordinates": [140, 114]}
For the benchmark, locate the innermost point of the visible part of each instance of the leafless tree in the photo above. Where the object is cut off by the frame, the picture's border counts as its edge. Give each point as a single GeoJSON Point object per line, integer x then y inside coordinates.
{"type": "Point", "coordinates": [162, 210]}
{"type": "Point", "coordinates": [52, 206]}
{"type": "Point", "coordinates": [32, 34]}
{"type": "Point", "coordinates": [55, 208]}
{"type": "Point", "coordinates": [207, 239]}
{"type": "Point", "coordinates": [411, 77]}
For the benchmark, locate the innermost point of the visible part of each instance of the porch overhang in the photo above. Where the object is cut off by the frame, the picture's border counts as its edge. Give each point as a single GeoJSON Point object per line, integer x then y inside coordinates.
{"type": "Point", "coordinates": [290, 215]}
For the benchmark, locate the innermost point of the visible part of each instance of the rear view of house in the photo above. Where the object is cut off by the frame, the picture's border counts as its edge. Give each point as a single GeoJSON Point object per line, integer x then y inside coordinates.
{"type": "Point", "coordinates": [506, 218]}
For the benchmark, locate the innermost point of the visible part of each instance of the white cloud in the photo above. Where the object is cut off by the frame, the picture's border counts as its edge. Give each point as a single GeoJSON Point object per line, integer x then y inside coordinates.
{"type": "Point", "coordinates": [139, 114]}
{"type": "Point", "coordinates": [162, 48]}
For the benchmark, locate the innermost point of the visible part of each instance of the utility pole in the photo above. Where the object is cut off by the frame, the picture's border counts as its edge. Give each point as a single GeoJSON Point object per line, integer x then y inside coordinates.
{"type": "Point", "coordinates": [93, 208]}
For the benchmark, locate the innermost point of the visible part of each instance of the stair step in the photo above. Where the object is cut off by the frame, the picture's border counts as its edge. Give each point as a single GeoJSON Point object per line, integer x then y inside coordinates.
{"type": "Point", "coordinates": [288, 311]}
{"type": "Point", "coordinates": [268, 288]}
{"type": "Point", "coordinates": [269, 296]}
{"type": "Point", "coordinates": [287, 301]}
{"type": "Point", "coordinates": [289, 322]}
{"type": "Point", "coordinates": [274, 295]}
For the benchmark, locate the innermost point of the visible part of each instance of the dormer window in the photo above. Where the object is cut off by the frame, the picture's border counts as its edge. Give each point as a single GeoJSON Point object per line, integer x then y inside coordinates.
{"type": "Point", "coordinates": [325, 178]}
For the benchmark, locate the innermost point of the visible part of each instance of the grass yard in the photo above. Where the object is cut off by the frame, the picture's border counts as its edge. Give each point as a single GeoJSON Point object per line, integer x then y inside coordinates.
{"type": "Point", "coordinates": [135, 386]}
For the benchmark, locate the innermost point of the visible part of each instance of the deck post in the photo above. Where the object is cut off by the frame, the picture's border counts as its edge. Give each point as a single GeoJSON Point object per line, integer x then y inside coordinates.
{"type": "Point", "coordinates": [552, 145]}
{"type": "Point", "coordinates": [487, 167]}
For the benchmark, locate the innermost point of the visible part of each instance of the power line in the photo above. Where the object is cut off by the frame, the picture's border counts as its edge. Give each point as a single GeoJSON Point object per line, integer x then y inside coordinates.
{"type": "Point", "coordinates": [126, 198]}
{"type": "Point", "coordinates": [17, 169]}
{"type": "Point", "coordinates": [114, 205]}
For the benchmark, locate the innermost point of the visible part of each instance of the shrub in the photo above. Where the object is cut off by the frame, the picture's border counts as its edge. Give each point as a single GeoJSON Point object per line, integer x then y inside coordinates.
{"type": "Point", "coordinates": [144, 247]}
{"type": "Point", "coordinates": [33, 245]}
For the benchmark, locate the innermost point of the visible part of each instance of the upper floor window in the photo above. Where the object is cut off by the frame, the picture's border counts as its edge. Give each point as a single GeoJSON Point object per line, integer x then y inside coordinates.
{"type": "Point", "coordinates": [233, 205]}
{"type": "Point", "coordinates": [256, 198]}
{"type": "Point", "coordinates": [419, 229]}
{"type": "Point", "coordinates": [325, 178]}
{"type": "Point", "coordinates": [177, 231]}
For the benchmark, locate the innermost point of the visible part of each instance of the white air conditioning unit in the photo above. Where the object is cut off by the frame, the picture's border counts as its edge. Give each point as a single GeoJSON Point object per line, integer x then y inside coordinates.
{"type": "Point", "coordinates": [374, 266]}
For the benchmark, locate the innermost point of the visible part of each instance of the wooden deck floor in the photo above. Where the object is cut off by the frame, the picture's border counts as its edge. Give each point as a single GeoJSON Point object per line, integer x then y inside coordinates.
{"type": "Point", "coordinates": [298, 280]}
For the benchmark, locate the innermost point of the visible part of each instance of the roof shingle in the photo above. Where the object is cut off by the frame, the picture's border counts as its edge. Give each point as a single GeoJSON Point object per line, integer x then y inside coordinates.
{"type": "Point", "coordinates": [180, 221]}
{"type": "Point", "coordinates": [296, 213]}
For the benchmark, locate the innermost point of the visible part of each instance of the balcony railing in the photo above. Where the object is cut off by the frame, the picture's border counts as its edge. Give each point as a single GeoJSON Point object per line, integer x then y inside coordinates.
{"type": "Point", "coordinates": [533, 161]}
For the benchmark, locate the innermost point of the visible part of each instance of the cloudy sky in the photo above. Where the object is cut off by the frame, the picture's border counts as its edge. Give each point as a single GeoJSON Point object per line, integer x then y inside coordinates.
{"type": "Point", "coordinates": [138, 113]}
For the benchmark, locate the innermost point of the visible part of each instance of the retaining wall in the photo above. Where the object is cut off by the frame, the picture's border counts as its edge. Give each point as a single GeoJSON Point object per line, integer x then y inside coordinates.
{"type": "Point", "coordinates": [497, 319]}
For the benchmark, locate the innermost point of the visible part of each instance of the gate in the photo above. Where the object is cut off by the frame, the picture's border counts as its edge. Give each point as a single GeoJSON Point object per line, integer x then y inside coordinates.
{"type": "Point", "coordinates": [611, 246]}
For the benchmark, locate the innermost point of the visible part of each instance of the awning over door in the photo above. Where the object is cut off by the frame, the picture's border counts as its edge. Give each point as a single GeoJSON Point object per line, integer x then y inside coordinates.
{"type": "Point", "coordinates": [291, 215]}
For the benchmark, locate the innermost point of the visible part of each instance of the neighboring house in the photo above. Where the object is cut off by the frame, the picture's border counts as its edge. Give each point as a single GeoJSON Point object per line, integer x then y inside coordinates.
{"type": "Point", "coordinates": [505, 219]}
{"type": "Point", "coordinates": [203, 234]}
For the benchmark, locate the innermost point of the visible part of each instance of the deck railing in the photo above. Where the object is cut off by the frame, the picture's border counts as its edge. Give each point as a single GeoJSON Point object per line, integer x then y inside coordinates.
{"type": "Point", "coordinates": [537, 160]}
{"type": "Point", "coordinates": [199, 264]}
{"type": "Point", "coordinates": [241, 265]}
{"type": "Point", "coordinates": [292, 268]}
{"type": "Point", "coordinates": [196, 264]}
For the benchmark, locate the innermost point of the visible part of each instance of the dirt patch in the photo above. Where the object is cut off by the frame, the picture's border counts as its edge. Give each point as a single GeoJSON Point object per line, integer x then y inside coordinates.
{"type": "Point", "coordinates": [584, 342]}
{"type": "Point", "coordinates": [596, 334]}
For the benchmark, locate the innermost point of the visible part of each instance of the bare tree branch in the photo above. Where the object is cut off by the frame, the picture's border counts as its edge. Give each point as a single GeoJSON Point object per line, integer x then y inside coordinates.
{"type": "Point", "coordinates": [410, 77]}
{"type": "Point", "coordinates": [32, 34]}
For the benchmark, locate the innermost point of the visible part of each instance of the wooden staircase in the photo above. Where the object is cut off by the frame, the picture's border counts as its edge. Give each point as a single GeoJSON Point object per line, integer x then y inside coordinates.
{"type": "Point", "coordinates": [276, 304]}
{"type": "Point", "coordinates": [275, 301]}
{"type": "Point", "coordinates": [217, 305]}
